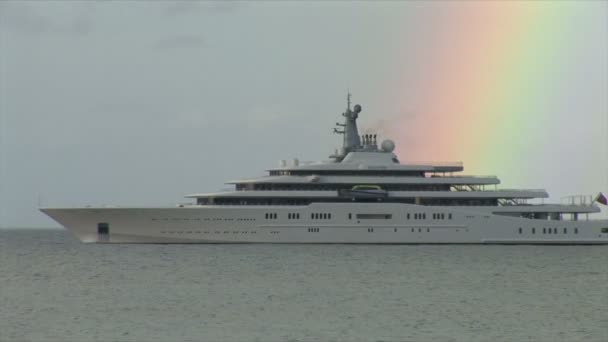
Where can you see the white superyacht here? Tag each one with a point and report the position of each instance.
(362, 195)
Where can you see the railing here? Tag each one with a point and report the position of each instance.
(463, 176)
(578, 200)
(520, 190)
(433, 163)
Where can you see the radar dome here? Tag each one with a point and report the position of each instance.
(388, 146)
(357, 109)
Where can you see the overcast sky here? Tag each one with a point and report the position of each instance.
(142, 102)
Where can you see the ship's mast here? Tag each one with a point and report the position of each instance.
(350, 131)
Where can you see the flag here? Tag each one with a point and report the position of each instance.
(601, 199)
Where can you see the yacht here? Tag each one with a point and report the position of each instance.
(363, 194)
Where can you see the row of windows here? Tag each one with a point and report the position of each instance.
(417, 216)
(315, 216)
(271, 216)
(382, 172)
(227, 201)
(208, 232)
(336, 187)
(309, 229)
(436, 216)
(413, 230)
(320, 216)
(195, 219)
(374, 216)
(548, 230)
(441, 216)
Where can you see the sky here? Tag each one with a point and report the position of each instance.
(143, 102)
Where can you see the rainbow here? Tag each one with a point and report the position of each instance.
(491, 75)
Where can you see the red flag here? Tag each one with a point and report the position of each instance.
(601, 199)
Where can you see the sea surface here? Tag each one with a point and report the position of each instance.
(54, 288)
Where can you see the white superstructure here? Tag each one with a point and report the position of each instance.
(362, 195)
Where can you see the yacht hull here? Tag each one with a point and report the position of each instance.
(337, 223)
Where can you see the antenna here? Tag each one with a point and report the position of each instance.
(348, 100)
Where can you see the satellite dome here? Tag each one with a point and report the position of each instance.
(357, 109)
(388, 146)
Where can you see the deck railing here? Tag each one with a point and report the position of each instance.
(578, 200)
(433, 163)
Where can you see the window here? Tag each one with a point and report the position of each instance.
(267, 216)
(350, 216)
(450, 216)
(103, 229)
(544, 231)
(424, 216)
(408, 216)
(520, 230)
(554, 230)
(533, 230)
(575, 230)
(604, 230)
(289, 216)
(374, 216)
(565, 230)
(312, 216)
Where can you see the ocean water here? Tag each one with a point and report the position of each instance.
(53, 288)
